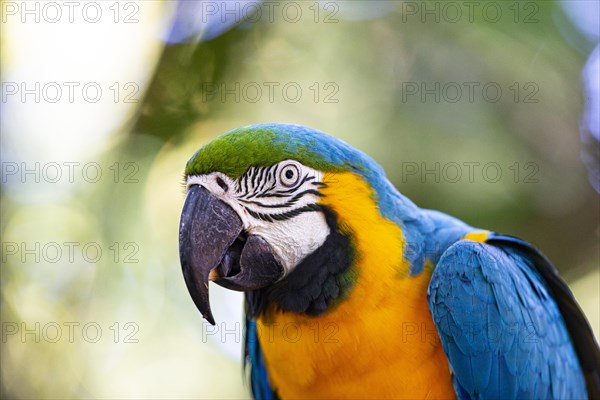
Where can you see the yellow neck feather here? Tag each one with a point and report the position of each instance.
(381, 340)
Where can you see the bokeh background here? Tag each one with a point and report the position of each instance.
(487, 111)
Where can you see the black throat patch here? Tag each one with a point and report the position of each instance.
(317, 283)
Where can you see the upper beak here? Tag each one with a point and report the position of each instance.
(210, 236)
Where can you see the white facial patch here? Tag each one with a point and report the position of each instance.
(277, 203)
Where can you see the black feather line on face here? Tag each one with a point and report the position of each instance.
(286, 215)
(317, 283)
(288, 203)
(301, 182)
(254, 175)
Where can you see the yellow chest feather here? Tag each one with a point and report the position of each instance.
(380, 342)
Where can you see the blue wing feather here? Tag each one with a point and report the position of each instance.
(259, 380)
(500, 326)
(577, 325)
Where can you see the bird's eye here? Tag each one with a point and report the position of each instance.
(289, 175)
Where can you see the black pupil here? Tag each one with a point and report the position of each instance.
(289, 174)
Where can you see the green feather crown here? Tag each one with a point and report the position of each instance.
(264, 145)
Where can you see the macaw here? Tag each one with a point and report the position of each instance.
(352, 291)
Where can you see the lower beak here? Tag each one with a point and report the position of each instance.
(212, 246)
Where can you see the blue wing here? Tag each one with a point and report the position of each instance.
(497, 307)
(259, 380)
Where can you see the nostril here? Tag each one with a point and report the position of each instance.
(222, 184)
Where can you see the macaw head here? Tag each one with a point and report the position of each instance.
(267, 212)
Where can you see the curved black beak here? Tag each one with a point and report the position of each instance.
(212, 245)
